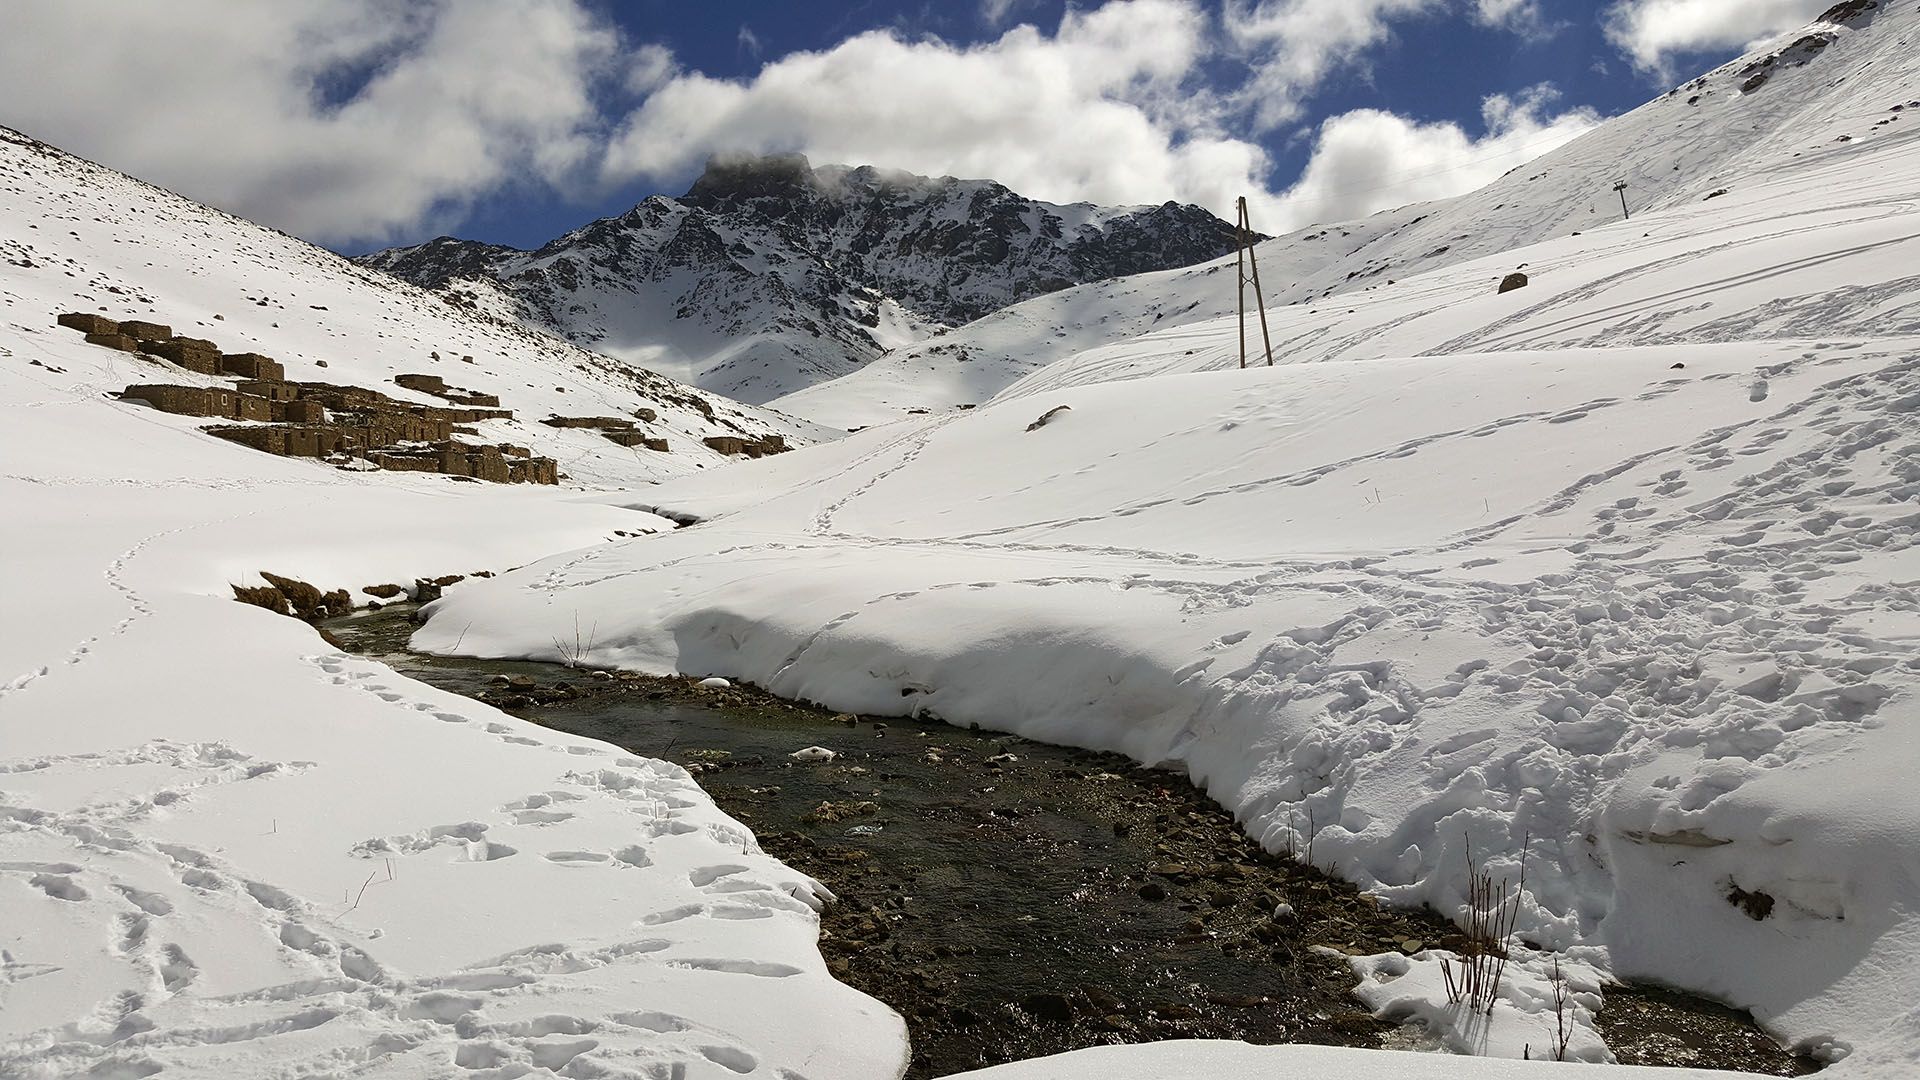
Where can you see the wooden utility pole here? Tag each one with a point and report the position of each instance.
(1243, 239)
(1621, 187)
(1240, 257)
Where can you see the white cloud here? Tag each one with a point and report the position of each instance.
(361, 121)
(749, 42)
(1653, 32)
(995, 12)
(1099, 110)
(339, 120)
(649, 68)
(1107, 109)
(1367, 160)
(1293, 45)
(1522, 17)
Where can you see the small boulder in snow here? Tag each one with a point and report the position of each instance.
(1513, 281)
(1049, 417)
(715, 683)
(813, 754)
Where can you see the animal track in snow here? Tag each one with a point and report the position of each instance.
(487, 851)
(757, 968)
(177, 970)
(150, 902)
(730, 1057)
(663, 1023)
(707, 875)
(58, 886)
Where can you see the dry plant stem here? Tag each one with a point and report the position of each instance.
(1563, 1031)
(1491, 916)
(577, 655)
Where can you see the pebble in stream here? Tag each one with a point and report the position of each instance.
(1012, 899)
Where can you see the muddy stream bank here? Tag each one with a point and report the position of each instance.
(1012, 899)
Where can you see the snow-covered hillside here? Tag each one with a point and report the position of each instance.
(1613, 574)
(78, 237)
(770, 275)
(1848, 77)
(228, 849)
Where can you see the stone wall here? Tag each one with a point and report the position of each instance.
(195, 356)
(88, 323)
(598, 423)
(269, 389)
(184, 400)
(252, 366)
(616, 429)
(426, 384)
(145, 331)
(732, 445)
(113, 341)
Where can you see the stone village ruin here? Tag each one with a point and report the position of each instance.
(341, 423)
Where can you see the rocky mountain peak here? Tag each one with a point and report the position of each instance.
(736, 179)
(771, 273)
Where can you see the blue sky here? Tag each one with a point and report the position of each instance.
(1435, 67)
(363, 123)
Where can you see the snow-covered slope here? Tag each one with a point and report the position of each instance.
(1842, 77)
(229, 850)
(770, 275)
(78, 237)
(1613, 574)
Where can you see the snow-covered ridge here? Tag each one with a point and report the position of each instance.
(1848, 75)
(770, 275)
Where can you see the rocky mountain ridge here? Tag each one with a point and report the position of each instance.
(770, 274)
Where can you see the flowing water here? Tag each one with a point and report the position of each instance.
(1012, 899)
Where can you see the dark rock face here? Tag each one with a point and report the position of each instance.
(1846, 12)
(291, 596)
(811, 261)
(1513, 281)
(440, 260)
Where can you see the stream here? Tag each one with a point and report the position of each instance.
(1013, 899)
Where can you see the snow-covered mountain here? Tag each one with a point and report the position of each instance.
(1839, 82)
(771, 275)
